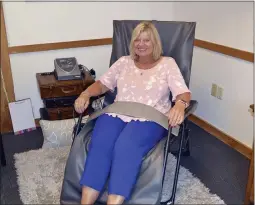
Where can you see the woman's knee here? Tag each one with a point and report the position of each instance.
(138, 138)
(127, 148)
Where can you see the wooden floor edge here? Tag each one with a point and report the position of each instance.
(235, 144)
(227, 139)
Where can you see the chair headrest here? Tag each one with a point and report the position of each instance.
(177, 39)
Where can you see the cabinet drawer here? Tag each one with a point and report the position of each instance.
(58, 113)
(49, 87)
(61, 113)
(61, 91)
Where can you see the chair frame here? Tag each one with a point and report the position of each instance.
(170, 140)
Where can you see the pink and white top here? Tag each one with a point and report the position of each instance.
(151, 86)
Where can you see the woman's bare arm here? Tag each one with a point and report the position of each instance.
(95, 89)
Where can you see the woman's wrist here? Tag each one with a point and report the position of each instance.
(86, 93)
(181, 103)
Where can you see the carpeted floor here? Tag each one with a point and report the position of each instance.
(222, 169)
(40, 175)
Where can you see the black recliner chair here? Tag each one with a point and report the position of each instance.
(177, 41)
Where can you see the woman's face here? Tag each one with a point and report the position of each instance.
(143, 45)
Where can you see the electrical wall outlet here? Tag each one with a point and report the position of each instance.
(219, 92)
(214, 90)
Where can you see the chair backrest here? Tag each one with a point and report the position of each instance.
(177, 39)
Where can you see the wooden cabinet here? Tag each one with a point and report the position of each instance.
(249, 194)
(58, 96)
(51, 88)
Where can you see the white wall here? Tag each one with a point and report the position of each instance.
(227, 23)
(42, 22)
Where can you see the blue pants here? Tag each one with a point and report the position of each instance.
(116, 150)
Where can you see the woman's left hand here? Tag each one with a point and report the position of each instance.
(176, 114)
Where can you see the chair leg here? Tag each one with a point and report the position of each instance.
(186, 144)
(166, 151)
(186, 147)
(3, 158)
(172, 198)
(77, 128)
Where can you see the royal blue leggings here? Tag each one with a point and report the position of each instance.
(116, 150)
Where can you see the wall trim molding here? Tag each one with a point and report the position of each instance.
(226, 50)
(233, 52)
(59, 45)
(227, 139)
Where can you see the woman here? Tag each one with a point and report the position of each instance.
(119, 142)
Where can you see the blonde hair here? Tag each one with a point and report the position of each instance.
(154, 36)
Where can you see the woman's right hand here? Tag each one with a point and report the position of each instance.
(81, 103)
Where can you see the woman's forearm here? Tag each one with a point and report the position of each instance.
(95, 89)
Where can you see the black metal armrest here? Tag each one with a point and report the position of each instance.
(191, 109)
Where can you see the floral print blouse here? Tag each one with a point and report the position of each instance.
(151, 86)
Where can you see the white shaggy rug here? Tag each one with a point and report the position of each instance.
(40, 175)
